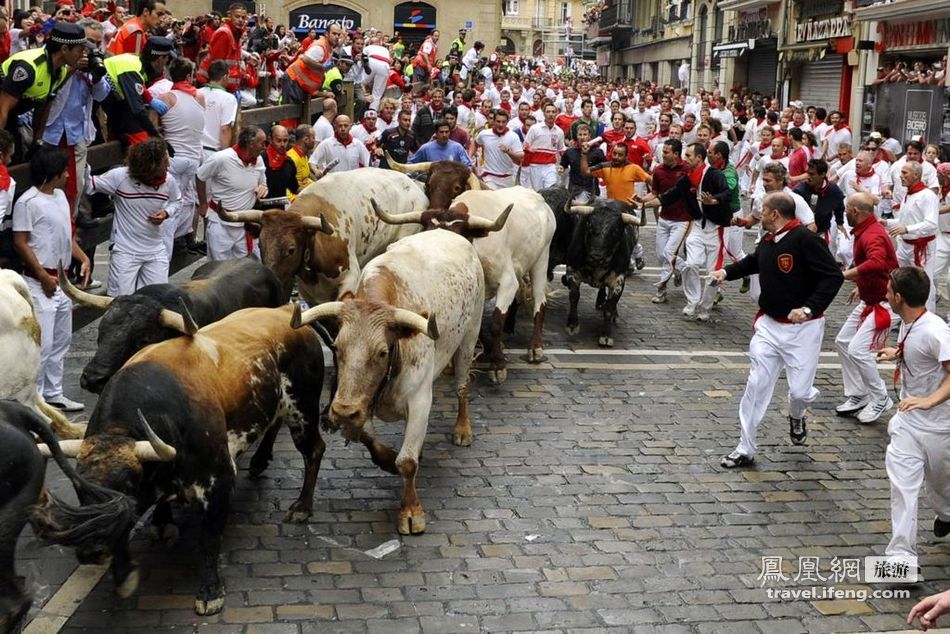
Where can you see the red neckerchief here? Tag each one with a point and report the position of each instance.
(246, 159)
(791, 224)
(275, 157)
(759, 121)
(5, 179)
(696, 176)
(764, 144)
(689, 129)
(388, 121)
(717, 163)
(344, 142)
(900, 354)
(841, 125)
(776, 158)
(155, 182)
(824, 188)
(185, 87)
(866, 174)
(916, 187)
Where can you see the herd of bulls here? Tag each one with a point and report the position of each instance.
(191, 375)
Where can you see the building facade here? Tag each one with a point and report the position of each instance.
(543, 27)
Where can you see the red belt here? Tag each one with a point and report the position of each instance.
(53, 272)
(380, 58)
(495, 175)
(882, 323)
(920, 249)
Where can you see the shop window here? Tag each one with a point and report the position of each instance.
(703, 38)
(511, 7)
(717, 37)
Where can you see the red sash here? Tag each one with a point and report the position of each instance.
(882, 324)
(920, 249)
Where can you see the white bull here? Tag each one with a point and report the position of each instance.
(517, 251)
(390, 350)
(20, 354)
(330, 231)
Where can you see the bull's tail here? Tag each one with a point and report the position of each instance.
(60, 424)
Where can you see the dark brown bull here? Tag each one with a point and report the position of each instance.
(446, 180)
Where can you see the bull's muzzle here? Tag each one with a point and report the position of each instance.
(348, 418)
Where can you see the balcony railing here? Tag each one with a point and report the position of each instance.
(515, 23)
(617, 15)
(542, 23)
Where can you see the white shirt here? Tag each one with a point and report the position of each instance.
(470, 59)
(871, 184)
(234, 184)
(47, 218)
(835, 138)
(368, 138)
(493, 161)
(919, 214)
(926, 347)
(322, 129)
(134, 203)
(928, 175)
(803, 212)
(182, 124)
(725, 116)
(464, 117)
(546, 141)
(644, 121)
(220, 110)
(352, 156)
(6, 205)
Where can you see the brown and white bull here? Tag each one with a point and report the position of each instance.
(326, 265)
(518, 251)
(208, 397)
(20, 353)
(390, 350)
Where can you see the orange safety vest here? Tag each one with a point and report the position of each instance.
(232, 82)
(426, 61)
(125, 41)
(308, 79)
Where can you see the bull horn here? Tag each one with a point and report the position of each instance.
(320, 224)
(155, 449)
(583, 210)
(249, 215)
(69, 447)
(407, 168)
(102, 302)
(473, 182)
(410, 319)
(396, 219)
(327, 310)
(475, 222)
(630, 219)
(180, 322)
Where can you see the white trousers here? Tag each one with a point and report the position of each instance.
(225, 242)
(499, 182)
(905, 257)
(942, 265)
(670, 246)
(774, 346)
(379, 75)
(541, 176)
(128, 272)
(913, 456)
(184, 170)
(704, 248)
(854, 342)
(55, 316)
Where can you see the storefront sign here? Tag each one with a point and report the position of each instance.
(414, 15)
(759, 30)
(918, 105)
(320, 16)
(817, 8)
(913, 34)
(827, 29)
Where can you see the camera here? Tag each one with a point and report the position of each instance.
(97, 65)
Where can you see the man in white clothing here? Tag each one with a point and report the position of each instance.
(919, 448)
(893, 188)
(545, 141)
(220, 110)
(379, 61)
(343, 147)
(236, 179)
(323, 128)
(915, 227)
(470, 61)
(501, 153)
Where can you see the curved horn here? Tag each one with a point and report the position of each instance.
(417, 322)
(407, 168)
(630, 219)
(476, 222)
(321, 224)
(326, 310)
(249, 215)
(582, 210)
(156, 449)
(181, 322)
(102, 302)
(70, 448)
(473, 182)
(396, 219)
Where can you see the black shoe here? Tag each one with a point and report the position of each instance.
(198, 248)
(736, 460)
(941, 528)
(797, 431)
(640, 264)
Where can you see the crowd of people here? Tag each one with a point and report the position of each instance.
(829, 207)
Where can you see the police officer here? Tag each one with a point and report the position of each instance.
(32, 77)
(333, 79)
(458, 44)
(130, 76)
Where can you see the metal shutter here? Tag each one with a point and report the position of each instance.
(820, 84)
(762, 64)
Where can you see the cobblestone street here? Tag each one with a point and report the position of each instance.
(591, 499)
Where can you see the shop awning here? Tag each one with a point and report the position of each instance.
(731, 49)
(904, 9)
(743, 5)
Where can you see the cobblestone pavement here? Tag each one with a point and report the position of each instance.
(591, 500)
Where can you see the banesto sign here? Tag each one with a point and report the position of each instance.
(320, 16)
(826, 29)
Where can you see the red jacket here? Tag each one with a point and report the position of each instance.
(637, 148)
(875, 258)
(225, 45)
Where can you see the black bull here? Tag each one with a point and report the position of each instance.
(134, 321)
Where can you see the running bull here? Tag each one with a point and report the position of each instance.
(208, 395)
(510, 254)
(330, 231)
(603, 238)
(390, 349)
(151, 314)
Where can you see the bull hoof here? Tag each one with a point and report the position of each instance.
(297, 514)
(410, 524)
(573, 330)
(461, 439)
(497, 377)
(207, 607)
(256, 470)
(11, 614)
(605, 342)
(128, 587)
(535, 355)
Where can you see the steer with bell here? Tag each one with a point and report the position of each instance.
(390, 350)
(173, 420)
(603, 238)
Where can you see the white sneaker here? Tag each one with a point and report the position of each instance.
(873, 410)
(660, 297)
(66, 404)
(690, 311)
(853, 404)
(702, 315)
